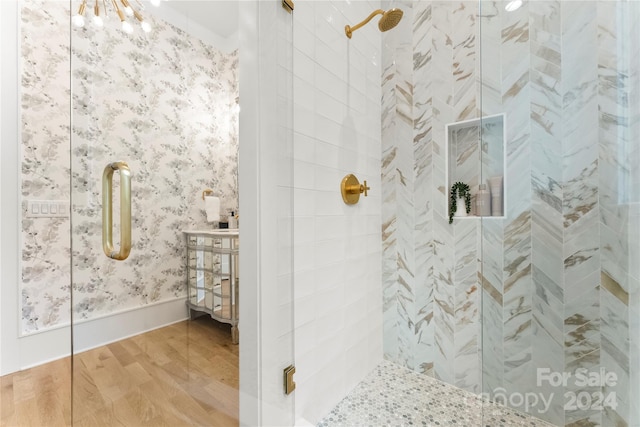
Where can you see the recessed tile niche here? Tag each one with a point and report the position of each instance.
(475, 156)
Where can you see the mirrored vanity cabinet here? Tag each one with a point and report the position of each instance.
(212, 276)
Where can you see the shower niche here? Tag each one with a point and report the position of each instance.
(476, 156)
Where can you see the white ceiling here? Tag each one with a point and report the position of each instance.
(212, 21)
(219, 16)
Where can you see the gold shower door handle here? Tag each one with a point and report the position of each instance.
(125, 210)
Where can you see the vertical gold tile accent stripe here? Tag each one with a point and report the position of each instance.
(614, 287)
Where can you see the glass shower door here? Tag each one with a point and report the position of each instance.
(560, 267)
(154, 171)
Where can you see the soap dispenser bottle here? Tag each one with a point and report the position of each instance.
(233, 221)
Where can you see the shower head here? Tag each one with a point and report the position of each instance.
(389, 20)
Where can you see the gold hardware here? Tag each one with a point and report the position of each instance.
(206, 193)
(351, 189)
(125, 210)
(82, 8)
(120, 13)
(289, 384)
(78, 19)
(389, 20)
(288, 5)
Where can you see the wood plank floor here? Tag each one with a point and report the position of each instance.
(185, 374)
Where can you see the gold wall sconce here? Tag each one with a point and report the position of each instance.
(351, 189)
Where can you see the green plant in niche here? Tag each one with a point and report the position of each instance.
(459, 189)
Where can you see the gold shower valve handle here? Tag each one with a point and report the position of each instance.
(351, 189)
(364, 188)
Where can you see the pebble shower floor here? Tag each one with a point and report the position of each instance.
(395, 396)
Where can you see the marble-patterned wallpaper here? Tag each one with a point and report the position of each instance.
(165, 102)
(485, 305)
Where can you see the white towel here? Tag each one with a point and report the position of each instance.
(212, 207)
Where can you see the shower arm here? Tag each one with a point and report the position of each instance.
(349, 30)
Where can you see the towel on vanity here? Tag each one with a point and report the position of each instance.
(212, 208)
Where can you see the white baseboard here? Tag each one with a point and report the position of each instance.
(46, 346)
(93, 333)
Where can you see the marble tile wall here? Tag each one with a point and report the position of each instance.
(633, 154)
(547, 295)
(431, 305)
(135, 98)
(580, 207)
(617, 198)
(554, 275)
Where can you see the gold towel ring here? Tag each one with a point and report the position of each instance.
(207, 192)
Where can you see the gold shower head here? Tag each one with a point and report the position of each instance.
(389, 19)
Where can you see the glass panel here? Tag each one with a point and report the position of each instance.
(154, 336)
(154, 101)
(35, 290)
(560, 292)
(337, 261)
(266, 170)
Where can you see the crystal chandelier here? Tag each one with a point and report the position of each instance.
(123, 10)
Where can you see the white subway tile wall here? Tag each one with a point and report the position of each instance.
(337, 122)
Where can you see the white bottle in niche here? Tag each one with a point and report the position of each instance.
(495, 183)
(483, 201)
(473, 198)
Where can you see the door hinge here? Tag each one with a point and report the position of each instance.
(289, 384)
(287, 5)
